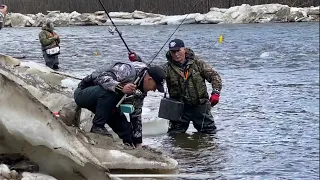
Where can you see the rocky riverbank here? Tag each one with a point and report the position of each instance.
(14, 166)
(237, 14)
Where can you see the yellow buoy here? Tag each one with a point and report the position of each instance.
(220, 39)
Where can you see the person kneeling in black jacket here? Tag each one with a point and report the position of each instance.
(101, 91)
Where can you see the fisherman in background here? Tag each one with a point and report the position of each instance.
(3, 12)
(50, 45)
(100, 92)
(185, 79)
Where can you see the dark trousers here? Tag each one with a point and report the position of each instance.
(200, 116)
(103, 104)
(51, 61)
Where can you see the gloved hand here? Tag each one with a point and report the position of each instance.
(133, 57)
(214, 99)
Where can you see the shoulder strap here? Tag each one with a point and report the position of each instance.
(193, 81)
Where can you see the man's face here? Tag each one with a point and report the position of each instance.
(149, 84)
(3, 9)
(178, 55)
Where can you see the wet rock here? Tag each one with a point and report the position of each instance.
(70, 114)
(142, 15)
(314, 17)
(295, 16)
(84, 19)
(236, 14)
(25, 166)
(11, 158)
(4, 171)
(19, 20)
(7, 174)
(18, 162)
(214, 16)
(240, 14)
(36, 176)
(313, 10)
(120, 15)
(36, 93)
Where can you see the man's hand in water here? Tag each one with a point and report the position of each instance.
(3, 9)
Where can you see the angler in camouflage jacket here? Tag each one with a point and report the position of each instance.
(100, 91)
(49, 40)
(185, 79)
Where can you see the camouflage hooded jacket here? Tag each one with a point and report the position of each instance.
(109, 77)
(187, 82)
(46, 40)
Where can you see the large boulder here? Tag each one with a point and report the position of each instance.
(85, 19)
(32, 93)
(178, 19)
(20, 20)
(297, 15)
(313, 10)
(39, 19)
(271, 13)
(143, 15)
(214, 16)
(120, 15)
(240, 14)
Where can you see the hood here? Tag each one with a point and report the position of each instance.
(190, 56)
(48, 27)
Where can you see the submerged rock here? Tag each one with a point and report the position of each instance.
(29, 94)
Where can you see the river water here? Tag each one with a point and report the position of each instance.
(268, 115)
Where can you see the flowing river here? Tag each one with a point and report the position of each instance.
(268, 115)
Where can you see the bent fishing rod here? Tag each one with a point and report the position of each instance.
(143, 72)
(105, 10)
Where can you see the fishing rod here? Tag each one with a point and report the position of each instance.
(142, 73)
(105, 10)
(66, 75)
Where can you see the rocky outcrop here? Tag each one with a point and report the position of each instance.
(60, 146)
(14, 166)
(237, 14)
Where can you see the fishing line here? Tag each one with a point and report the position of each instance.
(174, 32)
(105, 10)
(142, 73)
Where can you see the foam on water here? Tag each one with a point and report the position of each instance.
(265, 54)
